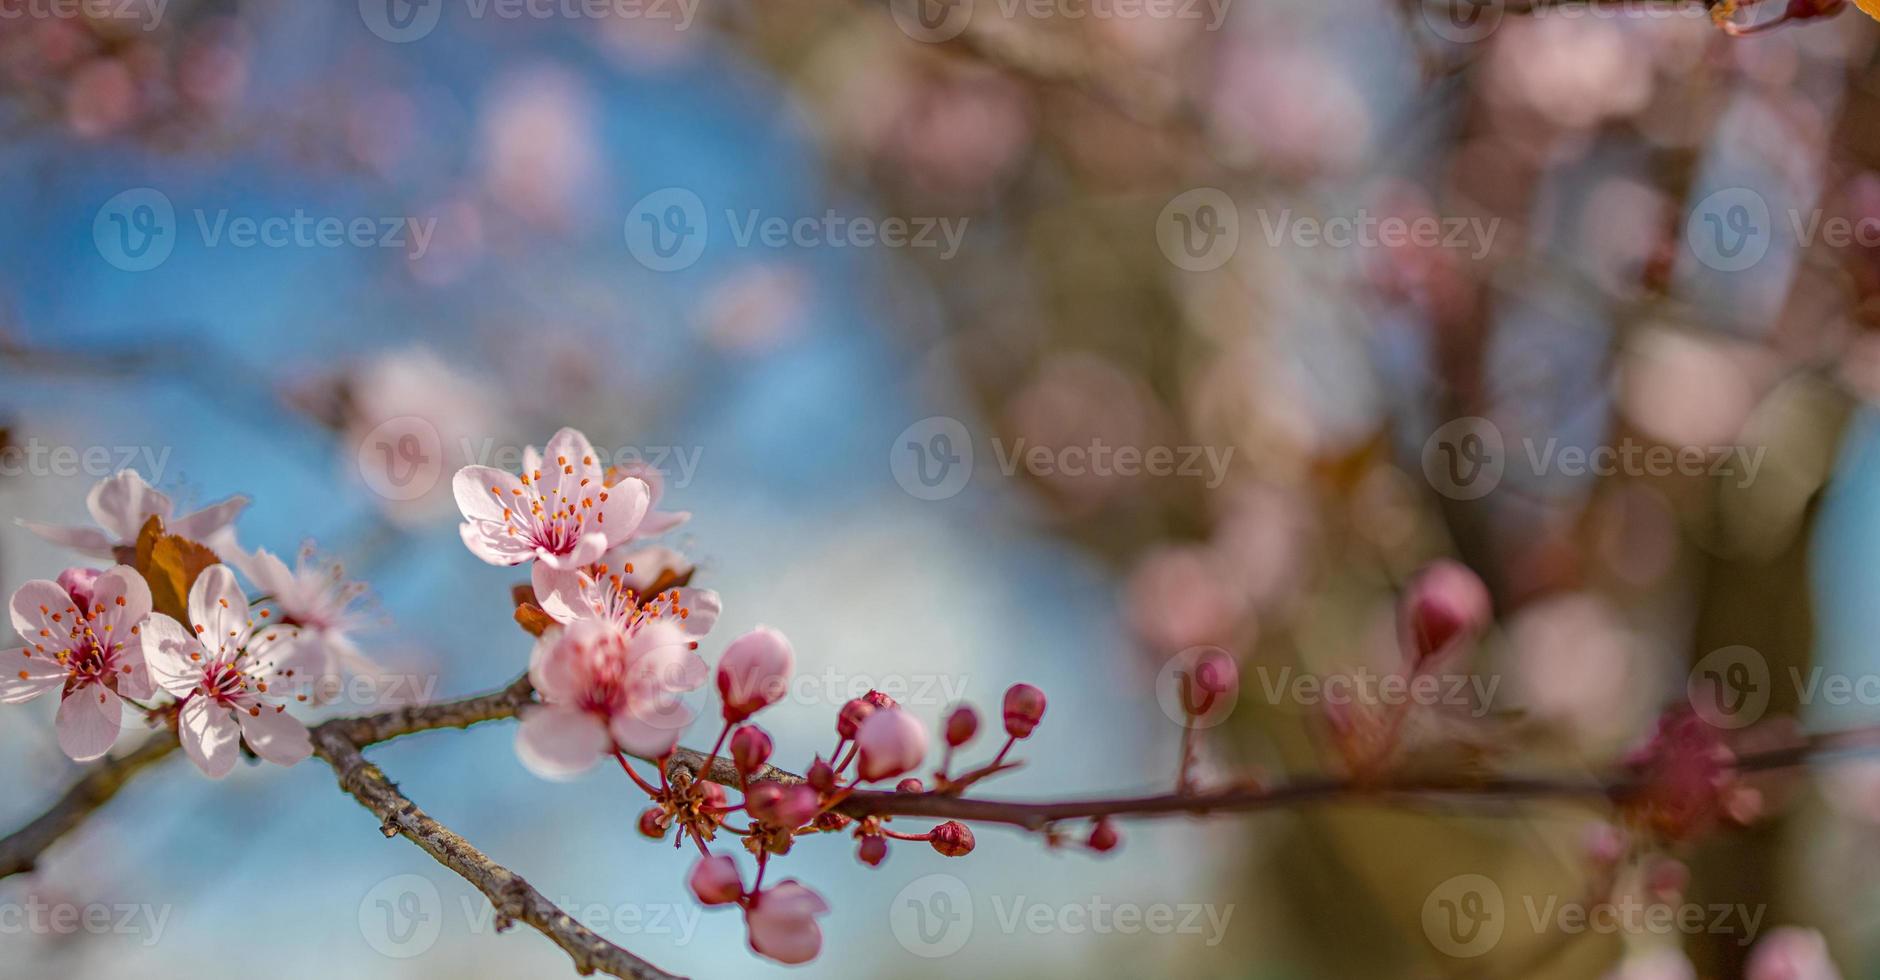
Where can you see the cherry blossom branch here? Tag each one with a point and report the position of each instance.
(20, 850)
(515, 899)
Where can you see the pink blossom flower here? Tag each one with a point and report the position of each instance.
(565, 518)
(781, 921)
(225, 675)
(715, 880)
(602, 687)
(617, 589)
(890, 742)
(83, 637)
(1790, 953)
(121, 503)
(754, 672)
(1443, 609)
(315, 599)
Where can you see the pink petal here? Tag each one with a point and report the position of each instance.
(559, 593)
(650, 728)
(658, 522)
(275, 735)
(115, 617)
(496, 548)
(89, 721)
(209, 737)
(34, 605)
(702, 607)
(575, 472)
(618, 516)
(121, 502)
(473, 486)
(89, 541)
(219, 608)
(168, 647)
(559, 743)
(552, 667)
(24, 677)
(205, 523)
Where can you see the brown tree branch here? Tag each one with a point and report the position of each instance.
(514, 899)
(20, 850)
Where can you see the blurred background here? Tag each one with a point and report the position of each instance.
(987, 342)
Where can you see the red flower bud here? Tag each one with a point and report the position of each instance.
(1103, 836)
(1444, 607)
(782, 806)
(850, 719)
(714, 794)
(873, 851)
(953, 839)
(1024, 709)
(908, 785)
(750, 748)
(715, 880)
(879, 699)
(654, 821)
(962, 725)
(822, 775)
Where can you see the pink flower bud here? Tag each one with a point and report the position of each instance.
(79, 583)
(654, 821)
(781, 922)
(754, 672)
(908, 785)
(1445, 606)
(891, 742)
(873, 851)
(962, 725)
(822, 775)
(879, 699)
(1215, 673)
(1790, 953)
(782, 806)
(714, 794)
(715, 880)
(850, 719)
(750, 748)
(953, 839)
(1103, 836)
(1024, 709)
